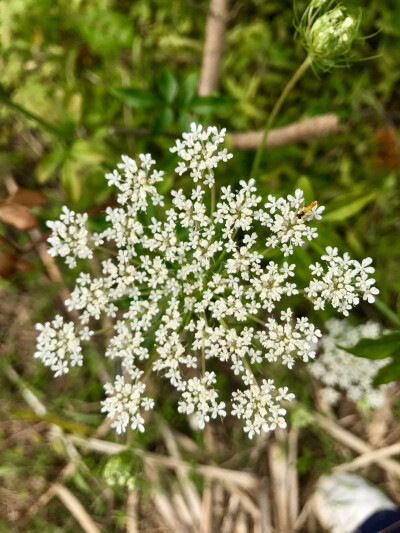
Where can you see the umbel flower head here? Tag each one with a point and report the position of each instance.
(190, 291)
(327, 32)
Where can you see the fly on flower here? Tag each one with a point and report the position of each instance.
(305, 210)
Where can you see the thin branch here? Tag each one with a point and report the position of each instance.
(189, 489)
(305, 130)
(355, 443)
(75, 508)
(369, 457)
(244, 479)
(302, 131)
(213, 45)
(131, 512)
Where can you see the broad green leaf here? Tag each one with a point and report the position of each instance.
(376, 348)
(388, 373)
(163, 120)
(187, 90)
(167, 85)
(206, 105)
(48, 165)
(350, 209)
(137, 98)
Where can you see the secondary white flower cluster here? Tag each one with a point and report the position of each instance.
(58, 345)
(342, 283)
(191, 294)
(344, 374)
(69, 237)
(200, 153)
(124, 402)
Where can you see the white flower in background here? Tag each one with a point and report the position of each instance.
(190, 293)
(344, 374)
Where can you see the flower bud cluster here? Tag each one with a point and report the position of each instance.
(327, 32)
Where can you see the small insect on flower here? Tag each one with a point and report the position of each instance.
(305, 210)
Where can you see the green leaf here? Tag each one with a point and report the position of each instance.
(137, 98)
(163, 120)
(376, 348)
(384, 309)
(86, 153)
(187, 90)
(389, 372)
(350, 209)
(48, 165)
(184, 122)
(206, 105)
(167, 85)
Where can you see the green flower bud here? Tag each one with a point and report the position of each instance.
(327, 33)
(332, 33)
(118, 473)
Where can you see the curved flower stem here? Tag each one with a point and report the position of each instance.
(212, 200)
(256, 319)
(275, 110)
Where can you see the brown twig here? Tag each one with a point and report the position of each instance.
(131, 512)
(278, 470)
(264, 505)
(75, 508)
(190, 492)
(355, 443)
(244, 479)
(213, 45)
(304, 130)
(369, 457)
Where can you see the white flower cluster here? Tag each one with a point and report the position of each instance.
(69, 237)
(124, 403)
(260, 407)
(342, 282)
(191, 294)
(344, 374)
(200, 153)
(58, 345)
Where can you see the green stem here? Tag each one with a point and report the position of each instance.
(277, 107)
(212, 200)
(46, 125)
(256, 319)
